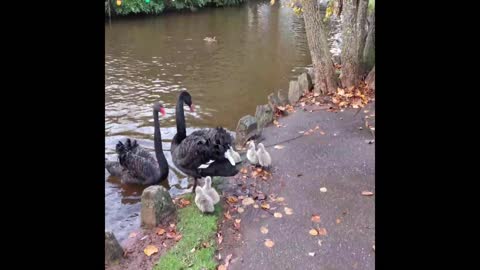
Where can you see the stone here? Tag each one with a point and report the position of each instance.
(273, 101)
(113, 250)
(264, 115)
(305, 82)
(246, 128)
(157, 207)
(282, 96)
(294, 93)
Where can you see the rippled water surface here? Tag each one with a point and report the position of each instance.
(259, 49)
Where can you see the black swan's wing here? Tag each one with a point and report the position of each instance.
(137, 166)
(136, 149)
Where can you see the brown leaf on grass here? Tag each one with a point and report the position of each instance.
(316, 218)
(322, 231)
(178, 237)
(171, 235)
(160, 231)
(264, 230)
(367, 193)
(269, 243)
(313, 232)
(227, 215)
(150, 249)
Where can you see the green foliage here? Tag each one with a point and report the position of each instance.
(128, 7)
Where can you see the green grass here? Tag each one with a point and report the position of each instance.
(196, 228)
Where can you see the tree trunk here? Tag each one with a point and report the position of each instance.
(370, 80)
(353, 31)
(325, 80)
(369, 51)
(361, 31)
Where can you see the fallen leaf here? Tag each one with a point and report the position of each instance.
(254, 174)
(316, 94)
(150, 249)
(221, 267)
(281, 108)
(316, 218)
(277, 215)
(255, 206)
(367, 193)
(259, 170)
(340, 92)
(248, 201)
(244, 170)
(172, 225)
(322, 231)
(160, 231)
(321, 132)
(192, 250)
(264, 178)
(178, 237)
(265, 205)
(275, 122)
(343, 103)
(264, 230)
(227, 260)
(220, 238)
(317, 127)
(232, 199)
(301, 132)
(278, 146)
(269, 243)
(240, 210)
(288, 211)
(311, 254)
(320, 242)
(132, 235)
(313, 232)
(171, 235)
(205, 244)
(323, 189)
(338, 221)
(227, 215)
(279, 199)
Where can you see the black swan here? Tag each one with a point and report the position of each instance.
(204, 152)
(136, 165)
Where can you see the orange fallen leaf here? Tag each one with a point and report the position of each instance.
(317, 127)
(265, 205)
(232, 199)
(313, 232)
(171, 235)
(367, 193)
(316, 218)
(238, 220)
(221, 267)
(254, 174)
(288, 211)
(264, 230)
(259, 170)
(322, 231)
(227, 215)
(220, 238)
(150, 249)
(269, 243)
(279, 199)
(277, 215)
(338, 221)
(160, 231)
(255, 206)
(244, 170)
(240, 210)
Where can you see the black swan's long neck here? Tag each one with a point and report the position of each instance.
(157, 141)
(180, 119)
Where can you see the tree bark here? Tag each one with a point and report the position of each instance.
(325, 80)
(353, 31)
(370, 80)
(361, 31)
(369, 50)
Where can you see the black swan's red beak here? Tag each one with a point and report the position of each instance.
(162, 111)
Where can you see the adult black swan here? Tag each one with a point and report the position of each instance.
(204, 152)
(136, 165)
